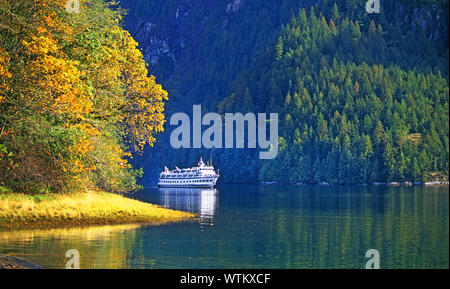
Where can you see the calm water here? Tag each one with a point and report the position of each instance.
(277, 226)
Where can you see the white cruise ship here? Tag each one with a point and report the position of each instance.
(202, 176)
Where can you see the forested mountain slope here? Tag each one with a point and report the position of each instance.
(361, 98)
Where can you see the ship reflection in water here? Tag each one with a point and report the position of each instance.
(199, 201)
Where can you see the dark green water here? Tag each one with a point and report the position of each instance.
(276, 226)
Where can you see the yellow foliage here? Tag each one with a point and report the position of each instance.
(5, 75)
(85, 78)
(144, 114)
(55, 79)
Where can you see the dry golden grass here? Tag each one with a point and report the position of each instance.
(89, 208)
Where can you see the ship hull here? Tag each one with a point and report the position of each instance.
(187, 183)
(184, 186)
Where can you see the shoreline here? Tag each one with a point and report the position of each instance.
(390, 184)
(20, 211)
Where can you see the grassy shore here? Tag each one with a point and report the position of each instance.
(19, 211)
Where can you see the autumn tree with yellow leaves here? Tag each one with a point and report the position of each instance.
(76, 97)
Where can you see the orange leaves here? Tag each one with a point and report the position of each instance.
(54, 78)
(41, 45)
(81, 163)
(78, 84)
(5, 75)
